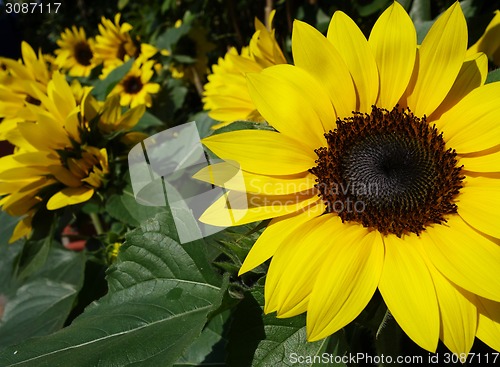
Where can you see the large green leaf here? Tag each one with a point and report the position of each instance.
(264, 340)
(160, 295)
(38, 304)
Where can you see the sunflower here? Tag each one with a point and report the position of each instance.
(21, 81)
(489, 43)
(226, 95)
(76, 52)
(60, 164)
(114, 42)
(381, 173)
(135, 88)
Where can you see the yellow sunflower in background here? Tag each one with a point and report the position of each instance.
(114, 41)
(75, 53)
(489, 43)
(21, 81)
(56, 166)
(226, 95)
(401, 195)
(135, 88)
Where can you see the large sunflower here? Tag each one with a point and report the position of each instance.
(401, 195)
(76, 52)
(226, 94)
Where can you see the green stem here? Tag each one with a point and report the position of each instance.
(97, 223)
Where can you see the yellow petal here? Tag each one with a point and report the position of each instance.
(236, 208)
(225, 175)
(479, 204)
(488, 329)
(471, 76)
(274, 235)
(293, 102)
(357, 54)
(481, 163)
(262, 152)
(70, 196)
(296, 261)
(472, 125)
(346, 282)
(458, 314)
(464, 256)
(394, 43)
(408, 291)
(489, 43)
(22, 229)
(315, 54)
(440, 58)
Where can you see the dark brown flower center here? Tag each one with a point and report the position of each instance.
(388, 171)
(83, 53)
(132, 85)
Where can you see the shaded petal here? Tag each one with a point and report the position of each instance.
(479, 204)
(393, 40)
(70, 196)
(262, 152)
(225, 175)
(408, 291)
(440, 58)
(314, 53)
(464, 256)
(286, 281)
(472, 125)
(488, 329)
(293, 102)
(472, 75)
(489, 41)
(236, 208)
(458, 313)
(481, 163)
(347, 280)
(274, 236)
(357, 54)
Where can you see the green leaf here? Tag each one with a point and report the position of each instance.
(372, 7)
(147, 121)
(7, 227)
(160, 296)
(209, 348)
(40, 304)
(168, 39)
(125, 208)
(204, 123)
(493, 76)
(420, 11)
(422, 29)
(264, 340)
(33, 256)
(103, 87)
